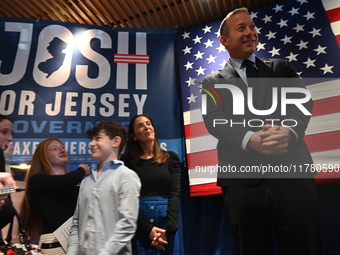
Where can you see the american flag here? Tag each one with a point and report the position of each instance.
(307, 33)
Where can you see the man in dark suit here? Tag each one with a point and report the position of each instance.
(270, 189)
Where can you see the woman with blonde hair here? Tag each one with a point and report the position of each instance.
(51, 194)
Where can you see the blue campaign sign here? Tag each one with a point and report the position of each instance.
(59, 79)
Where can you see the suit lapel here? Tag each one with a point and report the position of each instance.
(229, 74)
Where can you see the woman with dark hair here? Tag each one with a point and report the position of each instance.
(51, 194)
(159, 172)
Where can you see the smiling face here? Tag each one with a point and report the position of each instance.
(5, 133)
(56, 154)
(242, 39)
(102, 146)
(143, 130)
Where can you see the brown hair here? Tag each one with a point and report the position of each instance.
(40, 164)
(111, 129)
(3, 117)
(133, 148)
(224, 29)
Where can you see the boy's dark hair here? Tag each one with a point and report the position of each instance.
(111, 129)
(3, 117)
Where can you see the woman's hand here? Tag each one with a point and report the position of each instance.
(86, 168)
(158, 237)
(6, 180)
(8, 148)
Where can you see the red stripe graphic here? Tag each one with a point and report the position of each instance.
(323, 141)
(195, 130)
(316, 143)
(333, 15)
(326, 106)
(131, 59)
(203, 158)
(201, 189)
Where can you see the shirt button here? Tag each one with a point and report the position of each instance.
(152, 220)
(88, 224)
(152, 207)
(91, 206)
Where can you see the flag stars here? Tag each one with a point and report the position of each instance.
(327, 69)
(208, 43)
(199, 55)
(221, 48)
(309, 63)
(187, 50)
(267, 19)
(191, 81)
(211, 59)
(282, 23)
(294, 11)
(274, 51)
(186, 35)
(207, 29)
(302, 1)
(315, 32)
(309, 15)
(253, 15)
(197, 39)
(223, 63)
(292, 57)
(200, 71)
(287, 39)
(298, 27)
(271, 35)
(302, 45)
(260, 46)
(192, 98)
(258, 29)
(278, 8)
(320, 50)
(188, 65)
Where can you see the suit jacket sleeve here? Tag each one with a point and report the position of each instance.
(220, 108)
(293, 112)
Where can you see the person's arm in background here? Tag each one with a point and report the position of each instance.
(6, 206)
(8, 155)
(48, 182)
(73, 239)
(173, 203)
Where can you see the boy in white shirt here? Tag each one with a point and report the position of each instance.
(107, 209)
